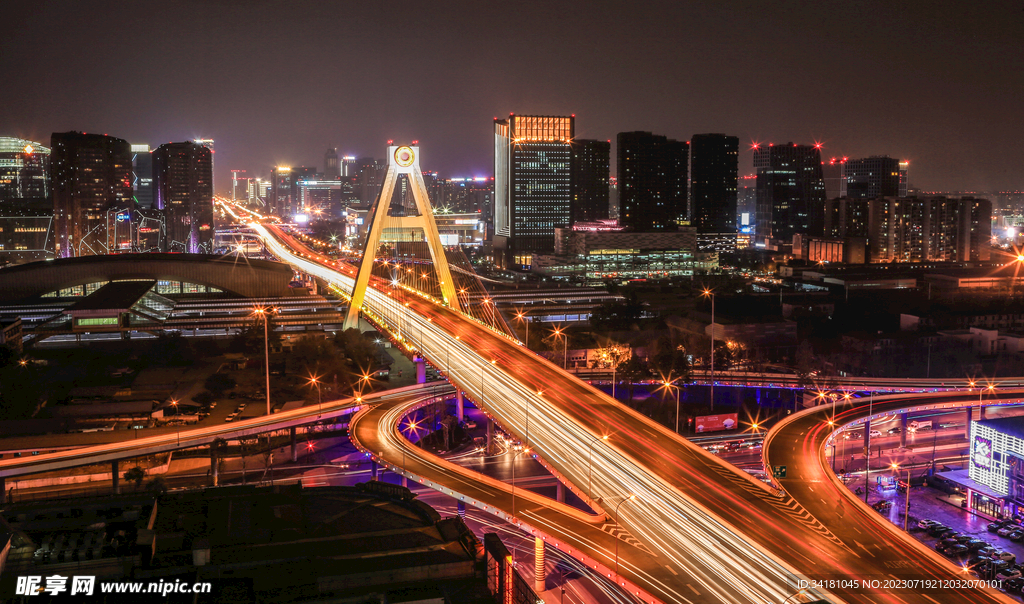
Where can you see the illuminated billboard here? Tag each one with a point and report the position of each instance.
(717, 423)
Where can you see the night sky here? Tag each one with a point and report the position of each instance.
(277, 82)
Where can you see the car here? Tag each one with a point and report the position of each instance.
(944, 543)
(954, 550)
(895, 430)
(213, 404)
(987, 551)
(976, 544)
(1009, 573)
(938, 530)
(470, 424)
(995, 526)
(1006, 530)
(1016, 536)
(961, 538)
(976, 561)
(1013, 586)
(875, 433)
(1005, 555)
(229, 418)
(926, 523)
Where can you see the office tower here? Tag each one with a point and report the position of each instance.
(183, 182)
(613, 198)
(239, 185)
(465, 195)
(142, 175)
(590, 166)
(332, 165)
(532, 156)
(24, 170)
(91, 176)
(714, 167)
(652, 175)
(834, 178)
(871, 177)
(281, 185)
(370, 173)
(348, 166)
(790, 190)
(904, 168)
(208, 143)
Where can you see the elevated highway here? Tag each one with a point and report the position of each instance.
(718, 535)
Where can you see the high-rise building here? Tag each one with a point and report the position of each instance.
(714, 168)
(834, 178)
(142, 175)
(284, 193)
(332, 165)
(613, 198)
(652, 181)
(871, 177)
(183, 181)
(208, 143)
(24, 170)
(914, 229)
(790, 190)
(91, 177)
(589, 172)
(465, 195)
(348, 166)
(532, 157)
(370, 174)
(904, 168)
(239, 185)
(26, 230)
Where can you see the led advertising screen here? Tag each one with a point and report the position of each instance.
(717, 423)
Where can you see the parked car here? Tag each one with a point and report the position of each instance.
(976, 561)
(977, 544)
(988, 551)
(1006, 530)
(944, 543)
(1016, 536)
(998, 524)
(1013, 586)
(229, 418)
(939, 530)
(926, 523)
(962, 538)
(954, 550)
(1011, 572)
(1005, 555)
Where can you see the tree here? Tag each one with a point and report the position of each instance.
(617, 315)
(157, 486)
(670, 360)
(136, 475)
(633, 370)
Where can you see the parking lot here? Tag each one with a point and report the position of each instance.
(927, 503)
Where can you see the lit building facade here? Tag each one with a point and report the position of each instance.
(26, 231)
(91, 177)
(332, 165)
(24, 170)
(995, 472)
(590, 168)
(714, 169)
(142, 175)
(601, 252)
(532, 178)
(652, 173)
(790, 190)
(183, 179)
(870, 178)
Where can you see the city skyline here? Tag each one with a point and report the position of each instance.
(663, 68)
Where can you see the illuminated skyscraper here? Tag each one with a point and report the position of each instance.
(590, 171)
(183, 179)
(532, 158)
(91, 178)
(332, 165)
(142, 175)
(652, 174)
(24, 170)
(714, 165)
(790, 190)
(871, 177)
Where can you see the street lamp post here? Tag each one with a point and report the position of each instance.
(590, 467)
(565, 347)
(524, 319)
(670, 386)
(514, 456)
(630, 498)
(315, 381)
(174, 403)
(906, 511)
(867, 448)
(265, 313)
(710, 294)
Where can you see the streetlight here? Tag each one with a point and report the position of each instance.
(174, 403)
(669, 385)
(560, 334)
(315, 381)
(514, 456)
(521, 316)
(590, 467)
(906, 512)
(264, 312)
(630, 498)
(707, 293)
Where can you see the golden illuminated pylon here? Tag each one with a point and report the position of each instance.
(401, 160)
